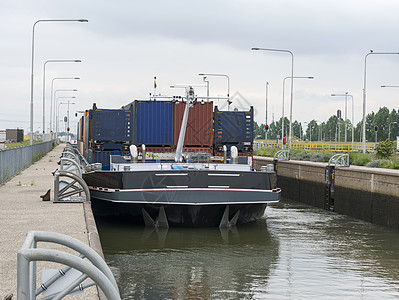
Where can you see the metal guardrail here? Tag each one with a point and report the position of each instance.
(94, 267)
(68, 183)
(15, 160)
(282, 155)
(339, 160)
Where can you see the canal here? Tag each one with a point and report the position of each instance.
(295, 252)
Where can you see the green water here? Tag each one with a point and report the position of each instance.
(295, 252)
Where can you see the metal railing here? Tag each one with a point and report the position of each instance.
(15, 160)
(322, 146)
(68, 183)
(282, 155)
(88, 263)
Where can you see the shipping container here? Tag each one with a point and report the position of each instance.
(86, 133)
(152, 123)
(235, 127)
(199, 130)
(111, 125)
(15, 135)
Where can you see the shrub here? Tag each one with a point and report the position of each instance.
(384, 149)
(359, 159)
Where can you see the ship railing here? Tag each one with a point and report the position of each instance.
(88, 264)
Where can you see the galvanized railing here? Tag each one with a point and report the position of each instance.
(15, 160)
(68, 183)
(92, 267)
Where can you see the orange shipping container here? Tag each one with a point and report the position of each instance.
(199, 131)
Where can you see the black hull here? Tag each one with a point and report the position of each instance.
(185, 198)
(177, 215)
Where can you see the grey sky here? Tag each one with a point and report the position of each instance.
(127, 43)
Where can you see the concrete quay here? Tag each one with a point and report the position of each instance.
(22, 210)
(369, 194)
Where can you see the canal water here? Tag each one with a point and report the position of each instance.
(295, 252)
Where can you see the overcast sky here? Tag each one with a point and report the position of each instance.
(126, 43)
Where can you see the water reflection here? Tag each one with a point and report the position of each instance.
(189, 263)
(296, 252)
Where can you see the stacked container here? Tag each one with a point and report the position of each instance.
(107, 132)
(234, 128)
(199, 130)
(152, 123)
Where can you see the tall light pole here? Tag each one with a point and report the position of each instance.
(67, 114)
(58, 111)
(55, 99)
(364, 93)
(32, 65)
(44, 83)
(266, 102)
(52, 114)
(207, 86)
(353, 114)
(282, 114)
(228, 85)
(389, 131)
(292, 83)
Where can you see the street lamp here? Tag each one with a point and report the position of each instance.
(282, 121)
(266, 100)
(364, 93)
(56, 99)
(58, 111)
(353, 115)
(67, 114)
(32, 64)
(228, 85)
(51, 100)
(389, 130)
(207, 86)
(292, 83)
(44, 83)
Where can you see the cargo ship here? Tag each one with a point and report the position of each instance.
(180, 187)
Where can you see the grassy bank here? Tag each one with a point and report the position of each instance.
(355, 158)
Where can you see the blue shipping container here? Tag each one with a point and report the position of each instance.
(153, 123)
(113, 125)
(233, 126)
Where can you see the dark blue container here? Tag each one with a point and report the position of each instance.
(233, 127)
(153, 123)
(111, 125)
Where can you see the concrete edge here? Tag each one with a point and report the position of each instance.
(93, 237)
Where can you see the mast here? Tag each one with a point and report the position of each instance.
(190, 103)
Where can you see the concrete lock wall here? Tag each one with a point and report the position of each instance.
(369, 194)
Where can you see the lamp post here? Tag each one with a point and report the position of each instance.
(228, 85)
(51, 100)
(353, 114)
(389, 131)
(282, 121)
(266, 100)
(207, 86)
(44, 83)
(66, 123)
(55, 101)
(292, 83)
(32, 65)
(58, 111)
(364, 93)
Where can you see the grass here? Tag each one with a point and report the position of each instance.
(355, 158)
(21, 144)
